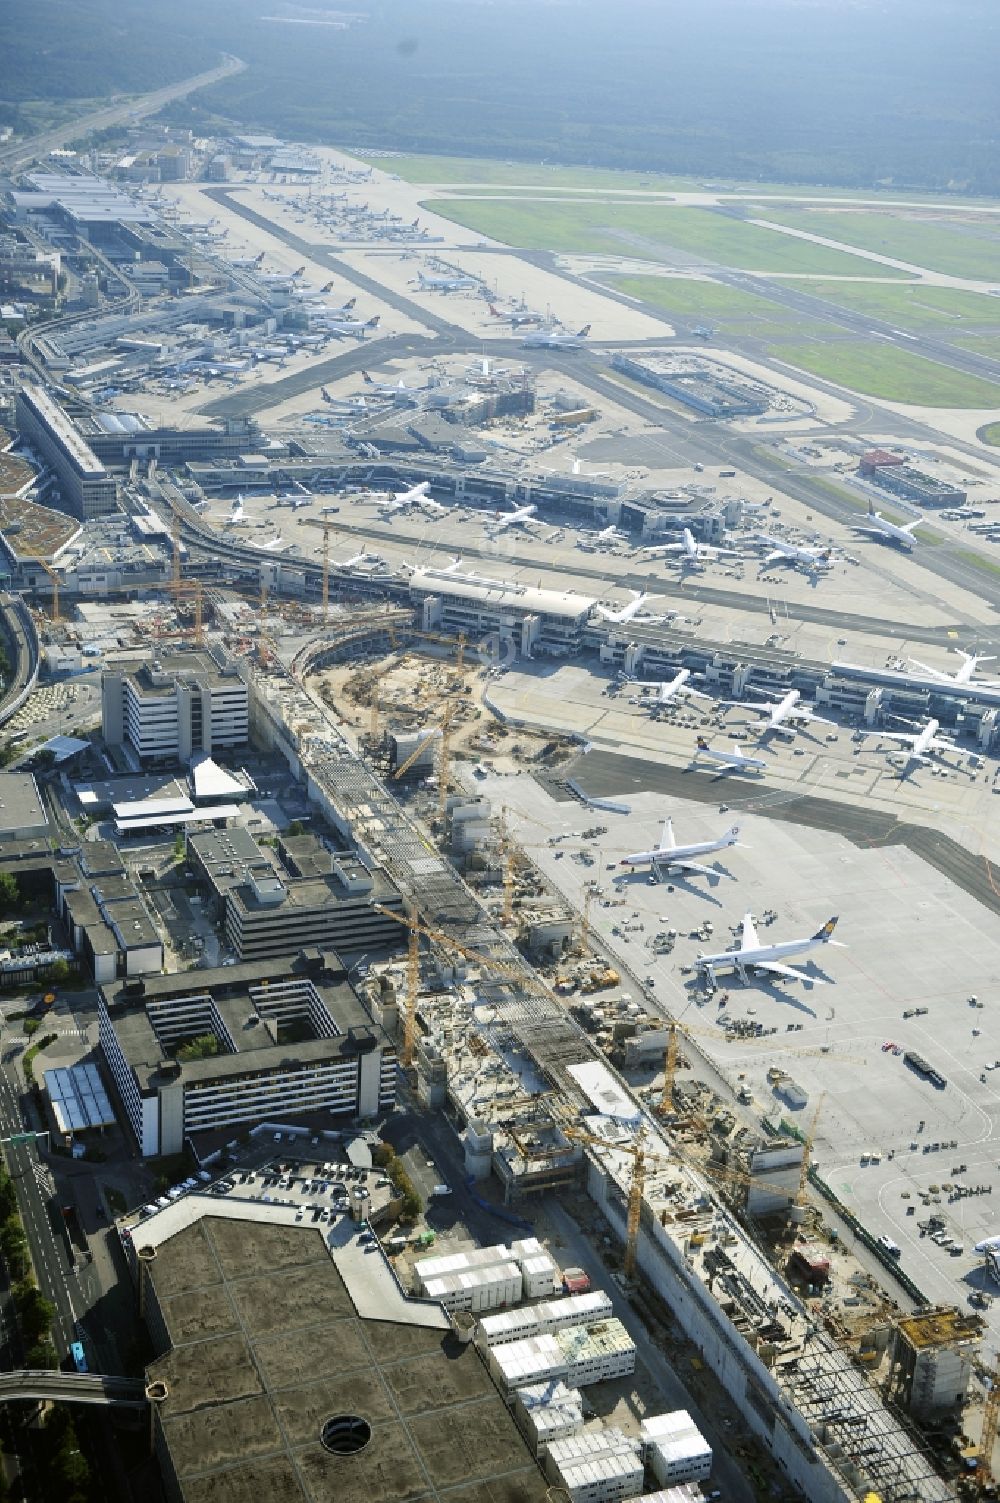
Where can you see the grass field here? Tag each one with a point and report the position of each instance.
(965, 247)
(735, 311)
(654, 232)
(878, 370)
(914, 305)
(421, 169)
(990, 434)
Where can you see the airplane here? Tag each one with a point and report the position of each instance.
(672, 688)
(671, 856)
(555, 339)
(885, 531)
(751, 955)
(990, 1248)
(516, 518)
(964, 675)
(245, 263)
(400, 500)
(518, 317)
(310, 294)
(280, 279)
(734, 761)
(387, 388)
(352, 326)
(794, 553)
(359, 558)
(610, 535)
(923, 743)
(626, 613)
(783, 715)
(693, 552)
(445, 284)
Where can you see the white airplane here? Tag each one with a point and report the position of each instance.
(446, 284)
(782, 716)
(555, 339)
(280, 279)
(692, 551)
(610, 535)
(732, 761)
(751, 955)
(627, 612)
(990, 1248)
(670, 855)
(403, 499)
(673, 688)
(359, 326)
(794, 553)
(245, 263)
(519, 517)
(964, 675)
(517, 317)
(387, 388)
(923, 744)
(886, 531)
(362, 559)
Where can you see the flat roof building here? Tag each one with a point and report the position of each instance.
(85, 485)
(286, 1039)
(172, 708)
(22, 814)
(539, 622)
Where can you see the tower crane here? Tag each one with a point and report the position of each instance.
(641, 1161)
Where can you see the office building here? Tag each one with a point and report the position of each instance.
(550, 1315)
(172, 708)
(84, 484)
(275, 1042)
(577, 1354)
(538, 622)
(674, 1448)
(22, 814)
(546, 1412)
(601, 1466)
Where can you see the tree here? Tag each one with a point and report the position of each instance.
(203, 1046)
(10, 893)
(296, 827)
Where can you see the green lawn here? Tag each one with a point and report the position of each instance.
(964, 247)
(427, 169)
(914, 305)
(990, 434)
(738, 312)
(651, 231)
(879, 370)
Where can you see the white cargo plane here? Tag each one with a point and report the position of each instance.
(669, 689)
(618, 618)
(964, 675)
(886, 531)
(794, 553)
(519, 517)
(751, 955)
(692, 552)
(670, 855)
(555, 339)
(923, 744)
(731, 761)
(358, 326)
(782, 716)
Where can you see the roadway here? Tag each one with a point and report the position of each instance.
(72, 1388)
(15, 157)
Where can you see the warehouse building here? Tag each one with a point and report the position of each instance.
(276, 1042)
(601, 1466)
(579, 1355)
(84, 484)
(173, 707)
(540, 623)
(22, 816)
(706, 386)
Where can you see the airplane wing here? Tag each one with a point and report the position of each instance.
(748, 938)
(941, 743)
(695, 693)
(682, 864)
(801, 713)
(934, 673)
(776, 969)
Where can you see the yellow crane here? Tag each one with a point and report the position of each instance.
(641, 1161)
(807, 1149)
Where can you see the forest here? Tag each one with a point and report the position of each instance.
(843, 92)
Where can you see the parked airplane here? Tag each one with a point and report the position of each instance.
(519, 517)
(351, 326)
(626, 613)
(310, 294)
(671, 856)
(445, 284)
(555, 339)
(245, 263)
(751, 955)
(692, 551)
(387, 388)
(886, 531)
(518, 317)
(783, 715)
(610, 535)
(401, 500)
(923, 744)
(734, 761)
(794, 553)
(280, 279)
(359, 559)
(964, 675)
(673, 688)
(990, 1247)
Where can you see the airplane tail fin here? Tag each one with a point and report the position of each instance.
(667, 841)
(826, 932)
(702, 744)
(871, 508)
(373, 323)
(584, 332)
(734, 833)
(367, 379)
